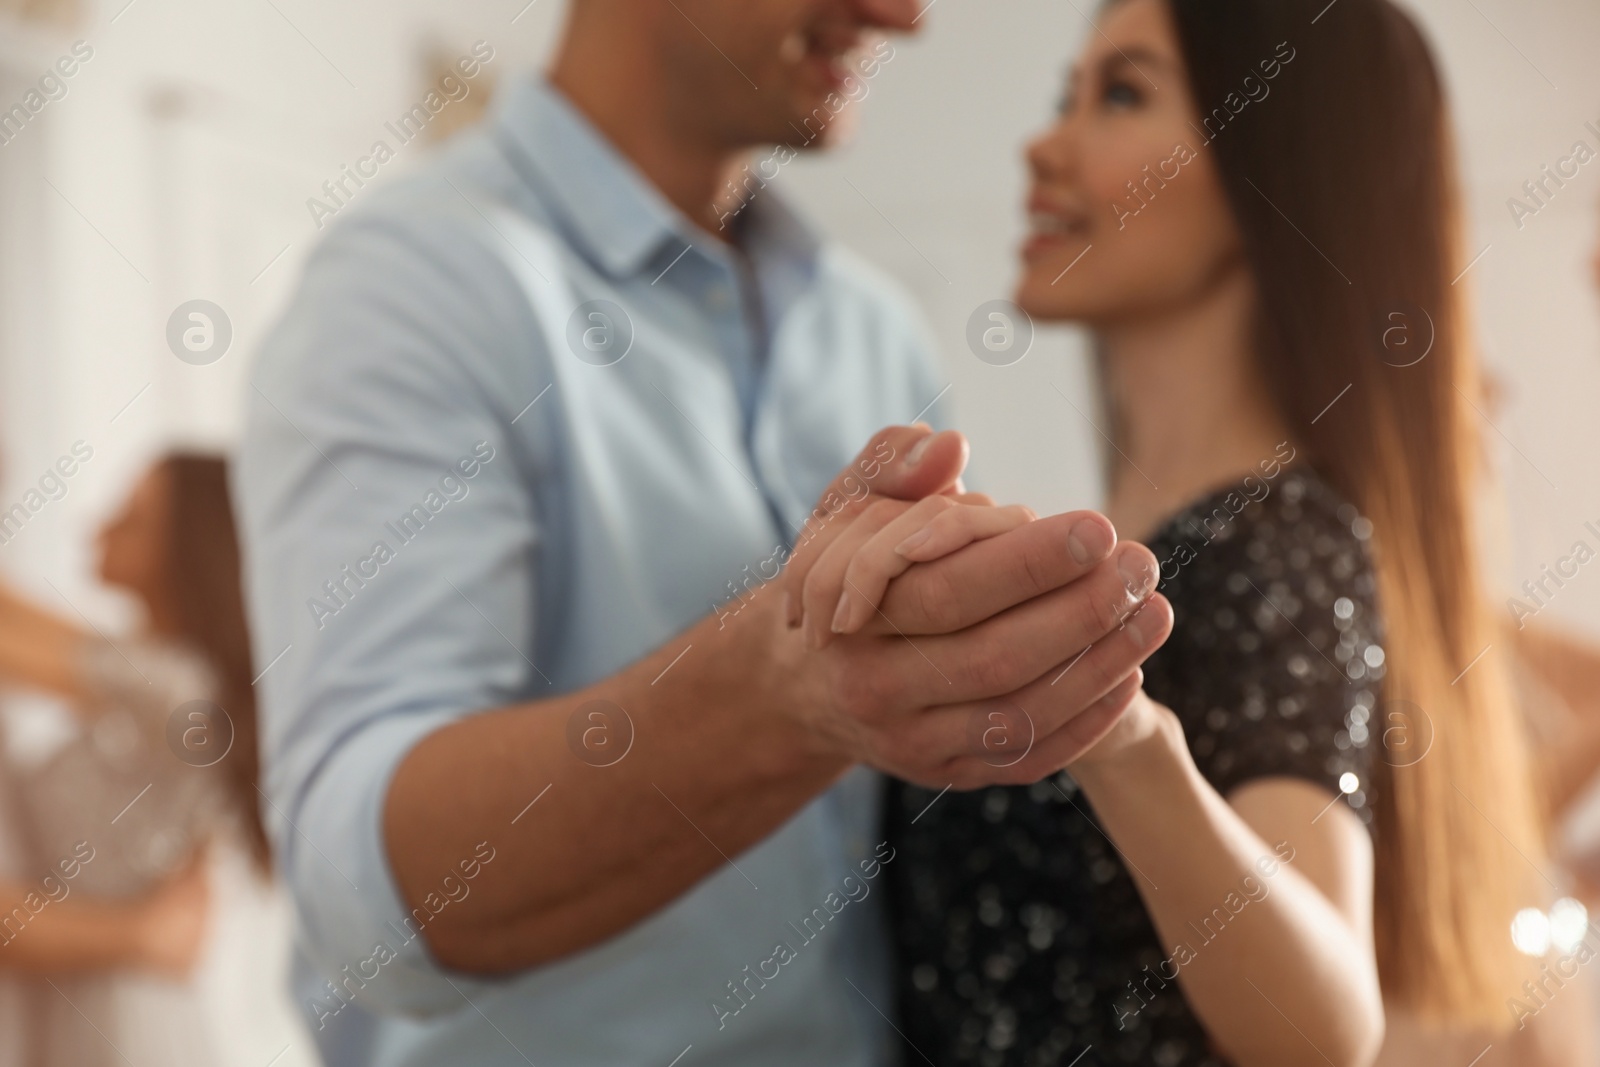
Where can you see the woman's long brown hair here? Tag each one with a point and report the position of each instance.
(1341, 181)
(205, 601)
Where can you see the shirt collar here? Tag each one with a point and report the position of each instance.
(595, 193)
(602, 201)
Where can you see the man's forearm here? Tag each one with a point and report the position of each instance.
(712, 766)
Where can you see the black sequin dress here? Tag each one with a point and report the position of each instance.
(1018, 927)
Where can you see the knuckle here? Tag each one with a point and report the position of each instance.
(882, 511)
(954, 518)
(870, 568)
(849, 690)
(1104, 669)
(1033, 567)
(919, 748)
(1104, 604)
(936, 599)
(814, 590)
(994, 669)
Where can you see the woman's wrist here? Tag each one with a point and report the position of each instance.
(1145, 746)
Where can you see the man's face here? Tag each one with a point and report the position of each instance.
(779, 71)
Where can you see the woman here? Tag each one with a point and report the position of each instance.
(164, 764)
(1323, 793)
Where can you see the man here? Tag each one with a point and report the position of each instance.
(554, 774)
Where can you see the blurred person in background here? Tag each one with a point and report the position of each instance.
(123, 825)
(1256, 189)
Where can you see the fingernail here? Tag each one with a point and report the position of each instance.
(1137, 575)
(915, 541)
(1088, 541)
(914, 456)
(841, 614)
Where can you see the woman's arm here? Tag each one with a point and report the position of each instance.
(161, 933)
(38, 649)
(1275, 958)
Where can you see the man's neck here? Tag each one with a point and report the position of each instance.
(687, 165)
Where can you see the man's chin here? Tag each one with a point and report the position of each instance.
(821, 122)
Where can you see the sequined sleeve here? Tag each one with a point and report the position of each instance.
(1276, 662)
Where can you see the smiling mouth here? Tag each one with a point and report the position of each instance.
(1048, 225)
(824, 51)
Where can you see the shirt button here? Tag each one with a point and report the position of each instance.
(718, 298)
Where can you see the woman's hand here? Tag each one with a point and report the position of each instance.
(37, 649)
(846, 585)
(1143, 724)
(170, 924)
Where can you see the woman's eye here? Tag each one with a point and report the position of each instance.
(1121, 95)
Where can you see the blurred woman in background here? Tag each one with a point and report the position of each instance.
(163, 766)
(1261, 195)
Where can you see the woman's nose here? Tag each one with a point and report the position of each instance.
(1050, 153)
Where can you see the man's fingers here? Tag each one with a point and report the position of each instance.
(1058, 699)
(1089, 635)
(990, 576)
(1037, 729)
(1052, 752)
(905, 462)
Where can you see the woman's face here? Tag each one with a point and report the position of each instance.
(1128, 216)
(131, 543)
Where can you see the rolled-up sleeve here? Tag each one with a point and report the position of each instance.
(391, 541)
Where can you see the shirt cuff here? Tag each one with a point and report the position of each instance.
(359, 934)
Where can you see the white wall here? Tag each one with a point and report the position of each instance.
(184, 152)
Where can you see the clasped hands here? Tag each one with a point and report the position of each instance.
(939, 638)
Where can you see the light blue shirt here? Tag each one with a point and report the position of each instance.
(460, 489)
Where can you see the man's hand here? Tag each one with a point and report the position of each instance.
(1032, 627)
